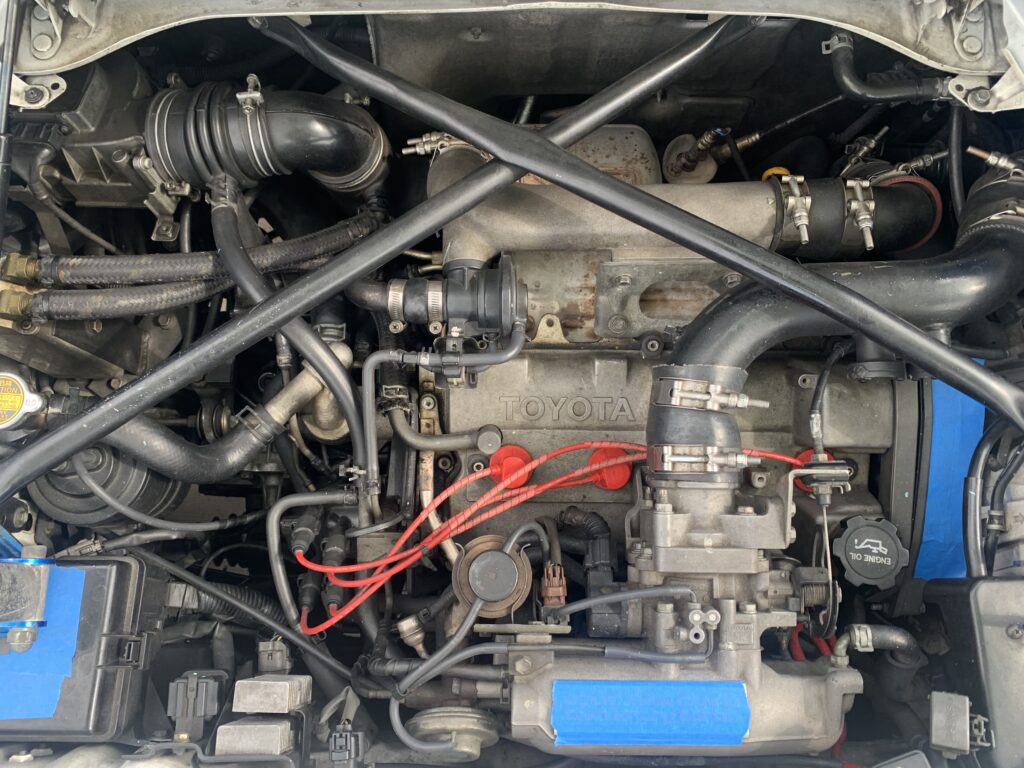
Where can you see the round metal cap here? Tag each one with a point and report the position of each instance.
(493, 576)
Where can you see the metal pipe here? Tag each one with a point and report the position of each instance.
(533, 152)
(224, 218)
(362, 259)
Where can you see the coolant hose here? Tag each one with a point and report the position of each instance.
(225, 221)
(979, 275)
(147, 268)
(850, 83)
(487, 438)
(173, 456)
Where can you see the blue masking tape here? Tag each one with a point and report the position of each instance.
(706, 713)
(33, 679)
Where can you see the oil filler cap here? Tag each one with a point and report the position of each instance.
(871, 552)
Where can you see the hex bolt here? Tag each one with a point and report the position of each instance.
(93, 326)
(665, 608)
(979, 97)
(522, 665)
(163, 321)
(748, 608)
(624, 280)
(733, 279)
(34, 94)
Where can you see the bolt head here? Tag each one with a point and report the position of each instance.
(522, 665)
(624, 280)
(42, 43)
(979, 97)
(1015, 631)
(972, 45)
(617, 324)
(34, 94)
(733, 279)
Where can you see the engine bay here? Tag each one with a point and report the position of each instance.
(539, 386)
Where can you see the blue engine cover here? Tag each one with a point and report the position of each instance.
(705, 713)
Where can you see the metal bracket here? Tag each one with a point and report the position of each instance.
(36, 91)
(252, 97)
(162, 198)
(45, 29)
(970, 30)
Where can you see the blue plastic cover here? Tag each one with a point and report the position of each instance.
(957, 424)
(706, 713)
(32, 680)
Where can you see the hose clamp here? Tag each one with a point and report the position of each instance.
(435, 304)
(396, 305)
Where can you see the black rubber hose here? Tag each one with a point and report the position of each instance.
(816, 415)
(215, 591)
(197, 134)
(956, 160)
(974, 491)
(850, 83)
(216, 605)
(369, 294)
(105, 303)
(456, 441)
(163, 450)
(146, 269)
(1013, 466)
(420, 222)
(224, 219)
(592, 524)
(981, 274)
(534, 152)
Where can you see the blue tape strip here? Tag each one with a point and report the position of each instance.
(35, 677)
(707, 713)
(957, 424)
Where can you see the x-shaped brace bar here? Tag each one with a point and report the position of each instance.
(361, 259)
(534, 152)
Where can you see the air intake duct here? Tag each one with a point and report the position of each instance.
(195, 134)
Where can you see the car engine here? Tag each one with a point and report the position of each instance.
(544, 384)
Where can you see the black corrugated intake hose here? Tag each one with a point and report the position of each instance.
(979, 275)
(145, 269)
(218, 606)
(853, 87)
(196, 134)
(325, 667)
